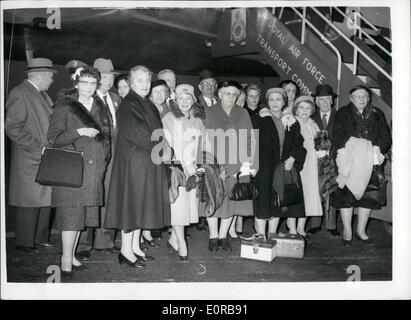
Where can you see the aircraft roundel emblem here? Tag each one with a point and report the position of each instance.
(238, 31)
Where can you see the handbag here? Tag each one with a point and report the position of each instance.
(287, 187)
(376, 192)
(59, 167)
(243, 190)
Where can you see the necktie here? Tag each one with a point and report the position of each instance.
(105, 100)
(45, 96)
(324, 120)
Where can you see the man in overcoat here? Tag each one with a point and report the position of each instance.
(28, 111)
(324, 118)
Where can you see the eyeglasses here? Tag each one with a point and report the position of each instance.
(88, 83)
(209, 83)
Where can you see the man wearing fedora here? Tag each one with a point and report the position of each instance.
(324, 117)
(103, 238)
(207, 87)
(28, 111)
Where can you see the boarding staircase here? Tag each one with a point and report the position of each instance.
(307, 46)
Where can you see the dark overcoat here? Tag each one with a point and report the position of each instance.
(270, 158)
(138, 194)
(371, 125)
(27, 121)
(70, 115)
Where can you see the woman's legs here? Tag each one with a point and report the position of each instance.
(68, 239)
(239, 224)
(173, 239)
(346, 217)
(291, 222)
(232, 230)
(127, 245)
(273, 225)
(301, 226)
(182, 245)
(147, 235)
(136, 243)
(75, 260)
(363, 215)
(213, 227)
(224, 226)
(260, 225)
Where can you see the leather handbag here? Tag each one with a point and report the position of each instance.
(59, 167)
(287, 187)
(376, 192)
(243, 190)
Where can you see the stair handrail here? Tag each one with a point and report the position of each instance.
(356, 48)
(362, 31)
(372, 26)
(325, 40)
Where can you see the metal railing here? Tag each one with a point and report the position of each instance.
(324, 39)
(357, 50)
(361, 31)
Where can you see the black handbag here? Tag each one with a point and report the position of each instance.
(59, 167)
(243, 190)
(287, 187)
(376, 192)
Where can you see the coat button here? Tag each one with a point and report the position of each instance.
(90, 161)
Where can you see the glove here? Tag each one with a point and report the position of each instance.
(191, 183)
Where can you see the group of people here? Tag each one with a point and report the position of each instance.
(151, 161)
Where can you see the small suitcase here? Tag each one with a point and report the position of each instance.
(289, 245)
(257, 248)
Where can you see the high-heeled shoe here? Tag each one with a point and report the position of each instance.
(66, 275)
(145, 258)
(81, 267)
(171, 248)
(184, 258)
(347, 243)
(136, 264)
(365, 241)
(151, 243)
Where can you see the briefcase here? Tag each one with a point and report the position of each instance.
(258, 248)
(59, 167)
(289, 245)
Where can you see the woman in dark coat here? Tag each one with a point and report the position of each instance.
(361, 120)
(138, 195)
(280, 142)
(80, 122)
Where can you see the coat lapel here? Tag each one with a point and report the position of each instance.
(47, 103)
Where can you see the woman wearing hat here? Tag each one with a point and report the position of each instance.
(228, 119)
(280, 143)
(359, 122)
(184, 133)
(138, 195)
(303, 108)
(80, 122)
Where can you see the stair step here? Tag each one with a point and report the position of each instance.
(350, 66)
(377, 91)
(362, 78)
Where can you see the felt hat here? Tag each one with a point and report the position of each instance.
(324, 91)
(40, 64)
(104, 66)
(206, 74)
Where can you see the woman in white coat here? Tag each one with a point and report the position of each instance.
(303, 108)
(185, 134)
